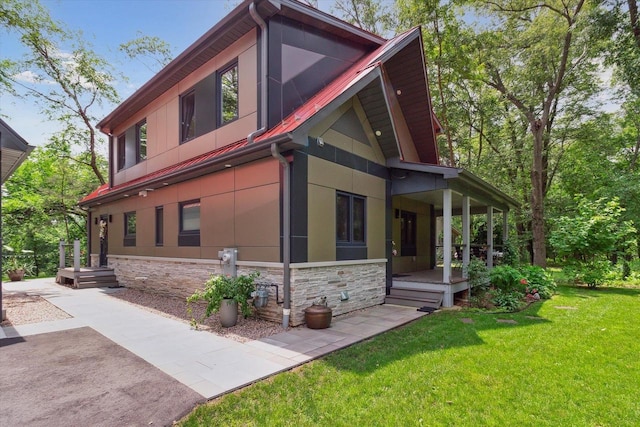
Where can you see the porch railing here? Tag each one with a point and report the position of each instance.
(63, 254)
(476, 251)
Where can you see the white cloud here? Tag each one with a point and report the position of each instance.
(31, 77)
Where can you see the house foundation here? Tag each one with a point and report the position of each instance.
(347, 285)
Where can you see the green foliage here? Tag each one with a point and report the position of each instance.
(150, 48)
(510, 254)
(596, 229)
(14, 262)
(508, 300)
(478, 274)
(511, 287)
(538, 281)
(39, 206)
(220, 287)
(507, 278)
(592, 273)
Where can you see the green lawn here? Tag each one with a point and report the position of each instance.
(576, 364)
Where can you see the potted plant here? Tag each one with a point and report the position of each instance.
(223, 294)
(319, 315)
(17, 266)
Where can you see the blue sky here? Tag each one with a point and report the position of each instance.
(106, 24)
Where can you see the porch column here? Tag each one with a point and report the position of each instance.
(505, 226)
(490, 236)
(446, 226)
(466, 232)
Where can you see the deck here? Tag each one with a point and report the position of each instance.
(431, 280)
(87, 277)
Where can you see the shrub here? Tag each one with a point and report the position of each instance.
(478, 274)
(538, 280)
(592, 273)
(507, 278)
(508, 300)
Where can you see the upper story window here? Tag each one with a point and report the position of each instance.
(121, 151)
(129, 229)
(188, 115)
(228, 90)
(141, 140)
(131, 147)
(210, 103)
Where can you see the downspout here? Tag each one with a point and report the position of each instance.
(263, 72)
(286, 190)
(286, 234)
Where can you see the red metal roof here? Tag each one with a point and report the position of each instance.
(104, 188)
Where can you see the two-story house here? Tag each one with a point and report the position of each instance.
(306, 144)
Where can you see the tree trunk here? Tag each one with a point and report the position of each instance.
(537, 197)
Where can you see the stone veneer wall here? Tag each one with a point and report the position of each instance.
(365, 284)
(177, 277)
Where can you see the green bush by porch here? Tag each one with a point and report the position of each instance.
(571, 360)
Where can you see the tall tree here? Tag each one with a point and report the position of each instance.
(371, 15)
(148, 49)
(537, 61)
(60, 72)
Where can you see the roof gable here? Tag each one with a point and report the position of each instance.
(398, 107)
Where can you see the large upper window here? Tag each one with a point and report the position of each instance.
(129, 229)
(189, 234)
(188, 115)
(141, 140)
(131, 147)
(121, 151)
(350, 219)
(228, 90)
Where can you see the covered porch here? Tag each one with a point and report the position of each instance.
(429, 252)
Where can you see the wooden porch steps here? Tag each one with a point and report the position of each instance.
(88, 278)
(411, 297)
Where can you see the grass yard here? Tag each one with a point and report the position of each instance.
(569, 361)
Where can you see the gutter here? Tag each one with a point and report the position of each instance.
(264, 46)
(286, 184)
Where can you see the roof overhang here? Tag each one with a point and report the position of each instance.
(15, 150)
(416, 180)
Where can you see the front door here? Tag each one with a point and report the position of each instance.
(104, 237)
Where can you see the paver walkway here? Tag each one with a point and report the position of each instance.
(208, 364)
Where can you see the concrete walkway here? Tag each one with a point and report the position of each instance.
(208, 364)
